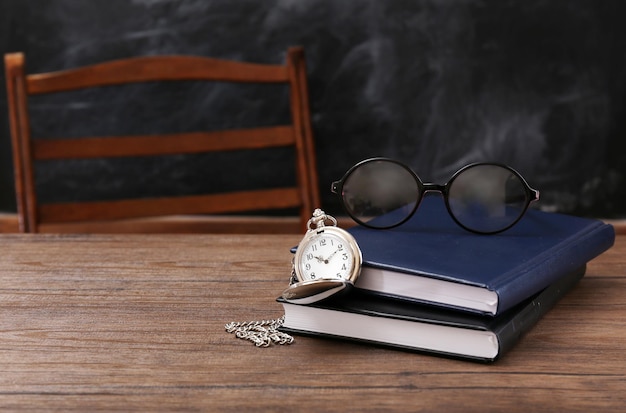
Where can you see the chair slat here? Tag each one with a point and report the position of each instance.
(150, 145)
(154, 68)
(196, 204)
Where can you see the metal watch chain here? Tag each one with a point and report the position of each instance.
(262, 333)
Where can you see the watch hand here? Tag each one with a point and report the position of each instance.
(325, 261)
(330, 256)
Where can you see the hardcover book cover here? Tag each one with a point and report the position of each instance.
(431, 259)
(362, 316)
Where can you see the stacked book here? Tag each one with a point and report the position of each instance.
(429, 285)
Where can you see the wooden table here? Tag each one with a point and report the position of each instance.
(136, 322)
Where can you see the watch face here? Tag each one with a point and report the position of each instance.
(329, 254)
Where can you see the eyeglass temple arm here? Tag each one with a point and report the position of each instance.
(535, 195)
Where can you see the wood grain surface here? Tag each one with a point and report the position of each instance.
(136, 322)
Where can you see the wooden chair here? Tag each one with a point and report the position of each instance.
(35, 216)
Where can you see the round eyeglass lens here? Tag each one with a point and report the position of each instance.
(380, 193)
(487, 198)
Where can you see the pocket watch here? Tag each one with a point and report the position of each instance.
(327, 261)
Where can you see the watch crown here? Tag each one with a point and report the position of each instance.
(318, 219)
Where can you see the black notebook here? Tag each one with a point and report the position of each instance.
(362, 316)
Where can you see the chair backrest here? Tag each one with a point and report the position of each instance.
(303, 195)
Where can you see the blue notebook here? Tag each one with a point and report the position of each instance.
(431, 259)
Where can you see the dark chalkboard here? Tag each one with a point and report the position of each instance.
(539, 85)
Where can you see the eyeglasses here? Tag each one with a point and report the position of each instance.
(484, 198)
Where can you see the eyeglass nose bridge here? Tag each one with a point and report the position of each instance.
(430, 187)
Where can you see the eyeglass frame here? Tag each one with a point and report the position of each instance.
(532, 195)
